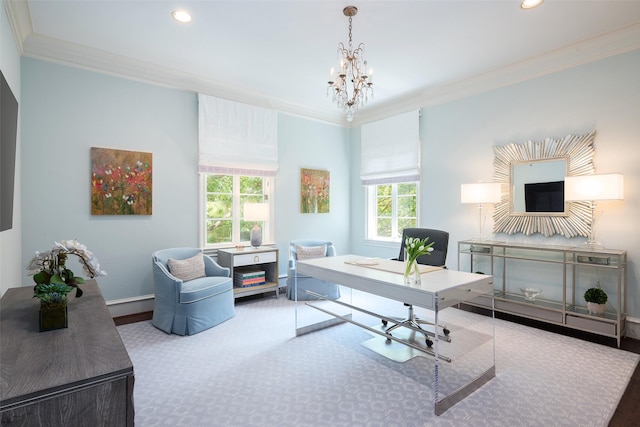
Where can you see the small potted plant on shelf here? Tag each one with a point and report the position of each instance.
(596, 299)
(53, 305)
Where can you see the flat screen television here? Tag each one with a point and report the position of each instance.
(8, 135)
(544, 196)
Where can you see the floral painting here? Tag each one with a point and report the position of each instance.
(120, 182)
(314, 191)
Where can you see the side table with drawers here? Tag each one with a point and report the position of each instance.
(251, 261)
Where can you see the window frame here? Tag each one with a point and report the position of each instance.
(268, 235)
(371, 212)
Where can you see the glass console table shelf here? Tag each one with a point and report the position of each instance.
(562, 273)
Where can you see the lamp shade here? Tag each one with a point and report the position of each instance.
(608, 186)
(480, 192)
(256, 211)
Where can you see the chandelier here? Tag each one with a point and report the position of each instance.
(351, 84)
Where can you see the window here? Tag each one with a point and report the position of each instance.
(390, 209)
(223, 198)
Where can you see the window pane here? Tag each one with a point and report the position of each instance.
(383, 227)
(395, 208)
(219, 184)
(407, 206)
(385, 205)
(219, 206)
(251, 185)
(383, 190)
(224, 199)
(407, 188)
(219, 231)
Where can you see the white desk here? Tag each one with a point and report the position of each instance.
(439, 290)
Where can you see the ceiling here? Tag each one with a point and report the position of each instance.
(278, 54)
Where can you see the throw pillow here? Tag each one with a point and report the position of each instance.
(308, 252)
(187, 269)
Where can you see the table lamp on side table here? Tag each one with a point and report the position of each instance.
(256, 212)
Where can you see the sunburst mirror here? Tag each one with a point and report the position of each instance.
(532, 177)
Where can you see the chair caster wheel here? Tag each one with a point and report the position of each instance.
(384, 323)
(446, 332)
(429, 343)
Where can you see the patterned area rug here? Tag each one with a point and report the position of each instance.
(252, 371)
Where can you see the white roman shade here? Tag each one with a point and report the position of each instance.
(236, 138)
(390, 150)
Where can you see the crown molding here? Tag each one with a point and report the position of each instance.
(19, 18)
(78, 56)
(609, 44)
(65, 53)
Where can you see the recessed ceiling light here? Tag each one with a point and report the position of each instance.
(181, 16)
(530, 4)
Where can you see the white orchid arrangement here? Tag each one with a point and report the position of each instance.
(49, 267)
(413, 248)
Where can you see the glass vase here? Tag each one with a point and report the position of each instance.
(411, 273)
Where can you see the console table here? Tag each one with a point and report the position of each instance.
(78, 376)
(562, 273)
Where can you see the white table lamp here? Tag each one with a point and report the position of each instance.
(480, 193)
(592, 188)
(256, 212)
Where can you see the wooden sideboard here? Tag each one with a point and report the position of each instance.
(78, 376)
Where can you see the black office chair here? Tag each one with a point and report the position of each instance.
(437, 258)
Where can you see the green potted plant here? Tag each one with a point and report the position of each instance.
(53, 305)
(596, 299)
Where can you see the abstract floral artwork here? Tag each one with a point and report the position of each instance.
(314, 191)
(120, 182)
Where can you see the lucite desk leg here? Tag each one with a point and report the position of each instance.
(312, 327)
(436, 366)
(441, 405)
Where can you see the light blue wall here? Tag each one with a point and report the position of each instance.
(310, 144)
(457, 140)
(11, 240)
(67, 111)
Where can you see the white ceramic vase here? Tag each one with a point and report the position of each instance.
(595, 308)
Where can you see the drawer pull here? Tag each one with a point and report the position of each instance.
(256, 258)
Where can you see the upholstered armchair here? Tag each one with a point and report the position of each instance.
(306, 249)
(192, 292)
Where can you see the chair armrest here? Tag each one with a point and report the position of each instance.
(166, 283)
(212, 268)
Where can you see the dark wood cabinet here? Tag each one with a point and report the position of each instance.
(78, 376)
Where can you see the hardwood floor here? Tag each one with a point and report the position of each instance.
(628, 411)
(626, 415)
(133, 318)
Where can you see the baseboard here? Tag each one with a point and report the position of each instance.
(131, 306)
(633, 328)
